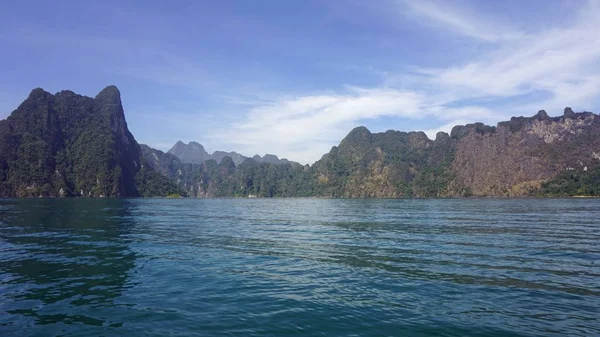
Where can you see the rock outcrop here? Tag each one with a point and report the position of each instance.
(71, 145)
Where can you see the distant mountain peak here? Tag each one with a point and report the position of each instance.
(189, 153)
(197, 146)
(194, 153)
(271, 158)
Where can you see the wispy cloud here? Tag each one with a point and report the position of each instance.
(562, 62)
(443, 15)
(434, 64)
(541, 61)
(305, 127)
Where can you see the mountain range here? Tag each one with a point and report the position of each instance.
(195, 153)
(70, 145)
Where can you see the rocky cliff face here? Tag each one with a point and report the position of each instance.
(71, 145)
(516, 157)
(390, 164)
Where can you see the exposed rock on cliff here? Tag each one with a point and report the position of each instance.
(71, 145)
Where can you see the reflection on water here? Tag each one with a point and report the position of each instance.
(300, 267)
(61, 260)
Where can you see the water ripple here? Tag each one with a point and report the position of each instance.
(311, 267)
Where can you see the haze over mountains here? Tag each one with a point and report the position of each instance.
(71, 145)
(195, 153)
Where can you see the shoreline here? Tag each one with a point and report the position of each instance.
(311, 197)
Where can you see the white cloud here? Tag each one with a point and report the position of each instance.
(563, 63)
(541, 61)
(304, 128)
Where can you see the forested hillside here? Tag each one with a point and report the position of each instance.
(71, 145)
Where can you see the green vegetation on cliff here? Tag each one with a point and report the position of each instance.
(250, 178)
(574, 183)
(71, 145)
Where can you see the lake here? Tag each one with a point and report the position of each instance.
(300, 267)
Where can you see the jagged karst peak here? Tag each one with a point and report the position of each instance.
(192, 152)
(108, 102)
(37, 92)
(358, 134)
(109, 95)
(38, 99)
(458, 131)
(270, 158)
(359, 131)
(66, 94)
(441, 135)
(195, 153)
(542, 115)
(568, 112)
(196, 146)
(227, 164)
(419, 135)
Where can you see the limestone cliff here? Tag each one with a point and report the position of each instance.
(516, 157)
(71, 145)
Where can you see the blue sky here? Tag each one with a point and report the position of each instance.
(294, 77)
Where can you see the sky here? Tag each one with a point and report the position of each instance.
(292, 78)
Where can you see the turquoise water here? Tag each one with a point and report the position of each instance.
(300, 267)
